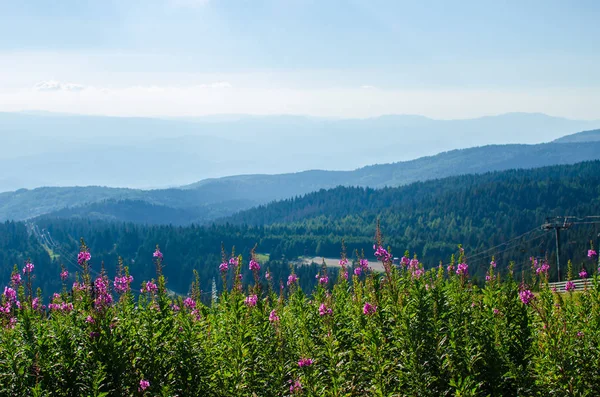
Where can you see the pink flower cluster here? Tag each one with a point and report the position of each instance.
(541, 267)
(149, 287)
(305, 362)
(223, 267)
(570, 286)
(61, 307)
(251, 300)
(526, 296)
(122, 283)
(10, 294)
(28, 268)
(369, 309)
(583, 274)
(323, 280)
(233, 262)
(64, 275)
(462, 269)
(295, 387)
(292, 279)
(16, 279)
(493, 264)
(254, 266)
(83, 256)
(592, 253)
(189, 303)
(324, 310)
(103, 296)
(144, 384)
(157, 254)
(382, 254)
(273, 317)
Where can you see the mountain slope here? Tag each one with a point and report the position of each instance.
(495, 214)
(76, 150)
(583, 136)
(214, 198)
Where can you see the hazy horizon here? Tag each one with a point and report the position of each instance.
(358, 58)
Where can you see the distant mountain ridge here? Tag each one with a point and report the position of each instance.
(211, 199)
(583, 136)
(46, 149)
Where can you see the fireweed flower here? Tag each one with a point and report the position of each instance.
(364, 264)
(121, 284)
(324, 310)
(580, 334)
(144, 384)
(273, 317)
(592, 254)
(64, 275)
(223, 267)
(496, 311)
(10, 294)
(157, 254)
(570, 286)
(28, 268)
(103, 296)
(526, 296)
(267, 275)
(450, 268)
(251, 300)
(493, 264)
(583, 274)
(295, 387)
(369, 309)
(405, 261)
(233, 262)
(292, 279)
(382, 254)
(83, 256)
(90, 320)
(189, 303)
(16, 279)
(35, 303)
(462, 269)
(323, 280)
(254, 265)
(149, 287)
(357, 271)
(305, 362)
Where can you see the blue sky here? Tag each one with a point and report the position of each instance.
(354, 58)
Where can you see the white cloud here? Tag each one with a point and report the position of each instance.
(54, 85)
(367, 87)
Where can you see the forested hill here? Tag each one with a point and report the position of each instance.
(495, 214)
(214, 198)
(583, 136)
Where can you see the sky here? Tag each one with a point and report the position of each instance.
(328, 58)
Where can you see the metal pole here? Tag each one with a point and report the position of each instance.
(558, 251)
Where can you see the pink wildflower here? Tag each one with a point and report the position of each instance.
(357, 271)
(324, 310)
(157, 254)
(526, 296)
(369, 309)
(305, 362)
(64, 275)
(83, 256)
(16, 279)
(254, 265)
(28, 268)
(592, 254)
(144, 384)
(583, 274)
(251, 300)
(223, 267)
(292, 279)
(570, 286)
(462, 269)
(273, 317)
